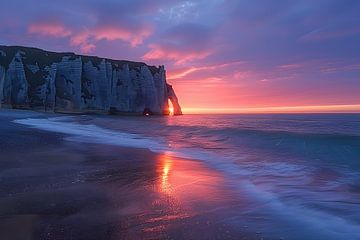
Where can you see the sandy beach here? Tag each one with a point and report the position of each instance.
(56, 189)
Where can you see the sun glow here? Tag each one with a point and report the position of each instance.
(290, 109)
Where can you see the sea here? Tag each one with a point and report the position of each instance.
(301, 170)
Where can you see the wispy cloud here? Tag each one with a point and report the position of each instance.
(49, 29)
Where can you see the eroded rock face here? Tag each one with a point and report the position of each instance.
(2, 82)
(16, 86)
(64, 82)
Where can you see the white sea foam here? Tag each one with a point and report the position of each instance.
(90, 133)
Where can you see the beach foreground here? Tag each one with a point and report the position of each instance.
(54, 189)
(71, 183)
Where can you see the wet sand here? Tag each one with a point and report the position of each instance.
(51, 188)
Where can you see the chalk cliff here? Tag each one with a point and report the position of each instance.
(65, 82)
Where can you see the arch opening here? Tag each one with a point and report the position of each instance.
(171, 107)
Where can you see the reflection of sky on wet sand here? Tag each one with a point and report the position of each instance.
(188, 199)
(182, 191)
(186, 180)
(166, 165)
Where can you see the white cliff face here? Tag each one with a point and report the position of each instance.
(122, 90)
(68, 84)
(49, 98)
(16, 86)
(149, 90)
(146, 93)
(65, 82)
(95, 84)
(2, 81)
(161, 89)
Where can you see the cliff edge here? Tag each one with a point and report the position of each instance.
(31, 78)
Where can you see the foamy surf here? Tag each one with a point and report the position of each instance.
(90, 133)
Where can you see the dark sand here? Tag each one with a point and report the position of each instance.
(51, 188)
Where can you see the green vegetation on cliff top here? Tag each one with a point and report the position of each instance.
(43, 58)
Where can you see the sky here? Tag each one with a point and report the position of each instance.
(220, 55)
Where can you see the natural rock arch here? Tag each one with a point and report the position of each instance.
(174, 100)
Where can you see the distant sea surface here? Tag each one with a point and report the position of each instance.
(299, 173)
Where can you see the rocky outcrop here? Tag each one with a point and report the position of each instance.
(65, 82)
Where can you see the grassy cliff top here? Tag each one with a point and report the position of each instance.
(46, 58)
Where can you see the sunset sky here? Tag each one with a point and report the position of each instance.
(220, 55)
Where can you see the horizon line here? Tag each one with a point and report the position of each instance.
(353, 108)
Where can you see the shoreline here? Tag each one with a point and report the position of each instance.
(58, 189)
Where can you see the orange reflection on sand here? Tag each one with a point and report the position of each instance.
(186, 179)
(166, 164)
(185, 189)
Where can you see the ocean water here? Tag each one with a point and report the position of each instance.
(301, 171)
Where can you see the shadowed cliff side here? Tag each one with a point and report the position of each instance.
(31, 78)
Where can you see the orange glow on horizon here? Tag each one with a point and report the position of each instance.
(284, 109)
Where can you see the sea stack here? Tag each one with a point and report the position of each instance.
(35, 79)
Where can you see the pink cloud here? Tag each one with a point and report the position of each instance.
(49, 29)
(81, 40)
(87, 38)
(183, 72)
(180, 73)
(158, 52)
(87, 47)
(112, 33)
